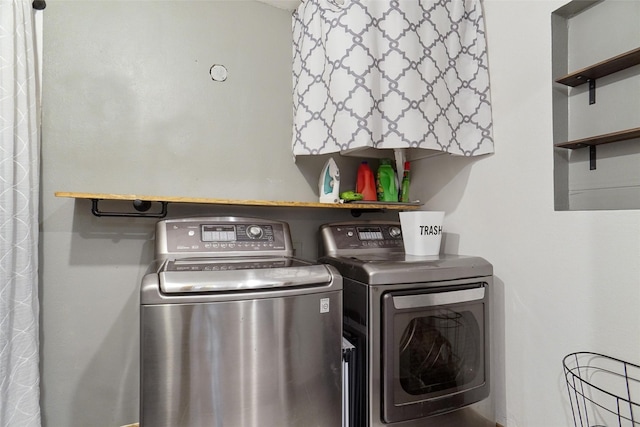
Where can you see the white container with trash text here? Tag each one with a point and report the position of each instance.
(421, 232)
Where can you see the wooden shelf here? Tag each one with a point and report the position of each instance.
(601, 139)
(95, 197)
(601, 69)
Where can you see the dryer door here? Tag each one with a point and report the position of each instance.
(435, 350)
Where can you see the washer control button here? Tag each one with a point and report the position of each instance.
(254, 231)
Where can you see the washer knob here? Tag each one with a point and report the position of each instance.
(254, 231)
(395, 232)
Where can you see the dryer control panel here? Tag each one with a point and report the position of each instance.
(222, 236)
(362, 236)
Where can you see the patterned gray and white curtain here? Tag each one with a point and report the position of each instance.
(391, 74)
(19, 187)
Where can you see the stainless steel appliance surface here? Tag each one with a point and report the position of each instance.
(235, 331)
(420, 325)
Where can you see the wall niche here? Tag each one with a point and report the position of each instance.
(596, 105)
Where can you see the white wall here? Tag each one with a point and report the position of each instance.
(565, 281)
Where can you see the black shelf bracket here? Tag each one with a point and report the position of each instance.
(356, 213)
(592, 157)
(592, 91)
(141, 206)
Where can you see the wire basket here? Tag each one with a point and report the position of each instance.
(603, 391)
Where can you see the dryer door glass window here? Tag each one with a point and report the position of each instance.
(440, 351)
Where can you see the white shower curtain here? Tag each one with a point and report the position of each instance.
(391, 74)
(19, 187)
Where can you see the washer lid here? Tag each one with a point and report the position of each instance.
(191, 275)
(394, 268)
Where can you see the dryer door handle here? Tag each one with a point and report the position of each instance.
(439, 298)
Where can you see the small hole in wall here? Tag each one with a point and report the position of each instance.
(218, 72)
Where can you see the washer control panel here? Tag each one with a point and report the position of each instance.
(222, 236)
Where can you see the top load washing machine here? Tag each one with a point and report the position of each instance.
(237, 332)
(420, 325)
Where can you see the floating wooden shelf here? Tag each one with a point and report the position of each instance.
(601, 139)
(593, 141)
(601, 69)
(95, 197)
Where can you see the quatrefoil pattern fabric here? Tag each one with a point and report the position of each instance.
(390, 74)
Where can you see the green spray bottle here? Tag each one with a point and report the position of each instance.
(406, 181)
